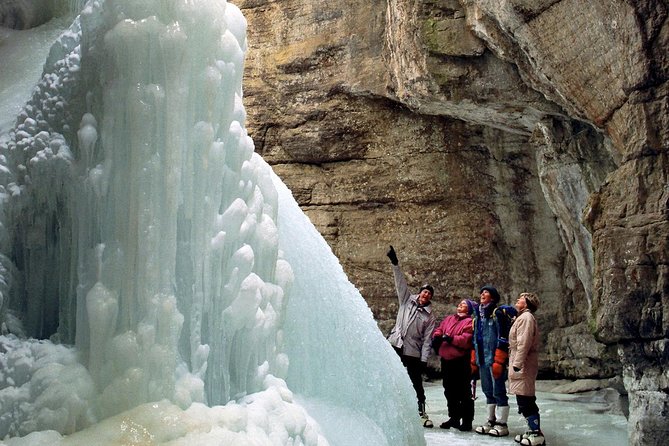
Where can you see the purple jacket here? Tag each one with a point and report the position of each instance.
(460, 327)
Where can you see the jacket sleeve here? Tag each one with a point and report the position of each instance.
(524, 339)
(427, 340)
(401, 286)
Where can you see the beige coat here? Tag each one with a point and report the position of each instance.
(523, 354)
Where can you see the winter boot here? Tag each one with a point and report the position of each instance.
(484, 429)
(423, 415)
(451, 422)
(534, 423)
(534, 438)
(500, 429)
(453, 416)
(467, 416)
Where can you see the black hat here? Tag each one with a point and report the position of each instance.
(427, 287)
(493, 292)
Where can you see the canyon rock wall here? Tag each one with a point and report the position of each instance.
(514, 142)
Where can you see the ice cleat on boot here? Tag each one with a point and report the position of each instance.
(423, 415)
(485, 428)
(426, 421)
(499, 430)
(534, 438)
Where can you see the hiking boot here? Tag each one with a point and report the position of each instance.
(499, 430)
(534, 438)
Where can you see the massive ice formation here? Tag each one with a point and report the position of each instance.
(165, 269)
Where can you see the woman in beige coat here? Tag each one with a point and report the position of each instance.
(524, 366)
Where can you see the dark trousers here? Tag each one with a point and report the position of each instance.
(415, 370)
(527, 405)
(456, 379)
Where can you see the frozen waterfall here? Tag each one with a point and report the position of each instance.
(159, 282)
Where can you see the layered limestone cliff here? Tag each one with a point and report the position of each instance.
(514, 142)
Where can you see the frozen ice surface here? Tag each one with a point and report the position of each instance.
(566, 420)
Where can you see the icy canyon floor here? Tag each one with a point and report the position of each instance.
(588, 418)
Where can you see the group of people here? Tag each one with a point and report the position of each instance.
(484, 340)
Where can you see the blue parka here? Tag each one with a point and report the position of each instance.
(491, 331)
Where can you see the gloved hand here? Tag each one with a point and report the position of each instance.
(423, 366)
(500, 361)
(448, 338)
(392, 256)
(472, 363)
(436, 343)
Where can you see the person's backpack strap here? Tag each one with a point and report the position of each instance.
(505, 315)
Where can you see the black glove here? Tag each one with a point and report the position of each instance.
(448, 338)
(423, 367)
(436, 343)
(392, 256)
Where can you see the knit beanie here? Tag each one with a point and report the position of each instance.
(471, 306)
(427, 287)
(493, 292)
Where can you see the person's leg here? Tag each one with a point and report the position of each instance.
(463, 392)
(527, 406)
(449, 380)
(501, 428)
(491, 404)
(415, 370)
(467, 415)
(487, 384)
(399, 353)
(499, 391)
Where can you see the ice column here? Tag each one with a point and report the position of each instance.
(178, 215)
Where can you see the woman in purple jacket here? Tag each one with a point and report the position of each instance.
(452, 339)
